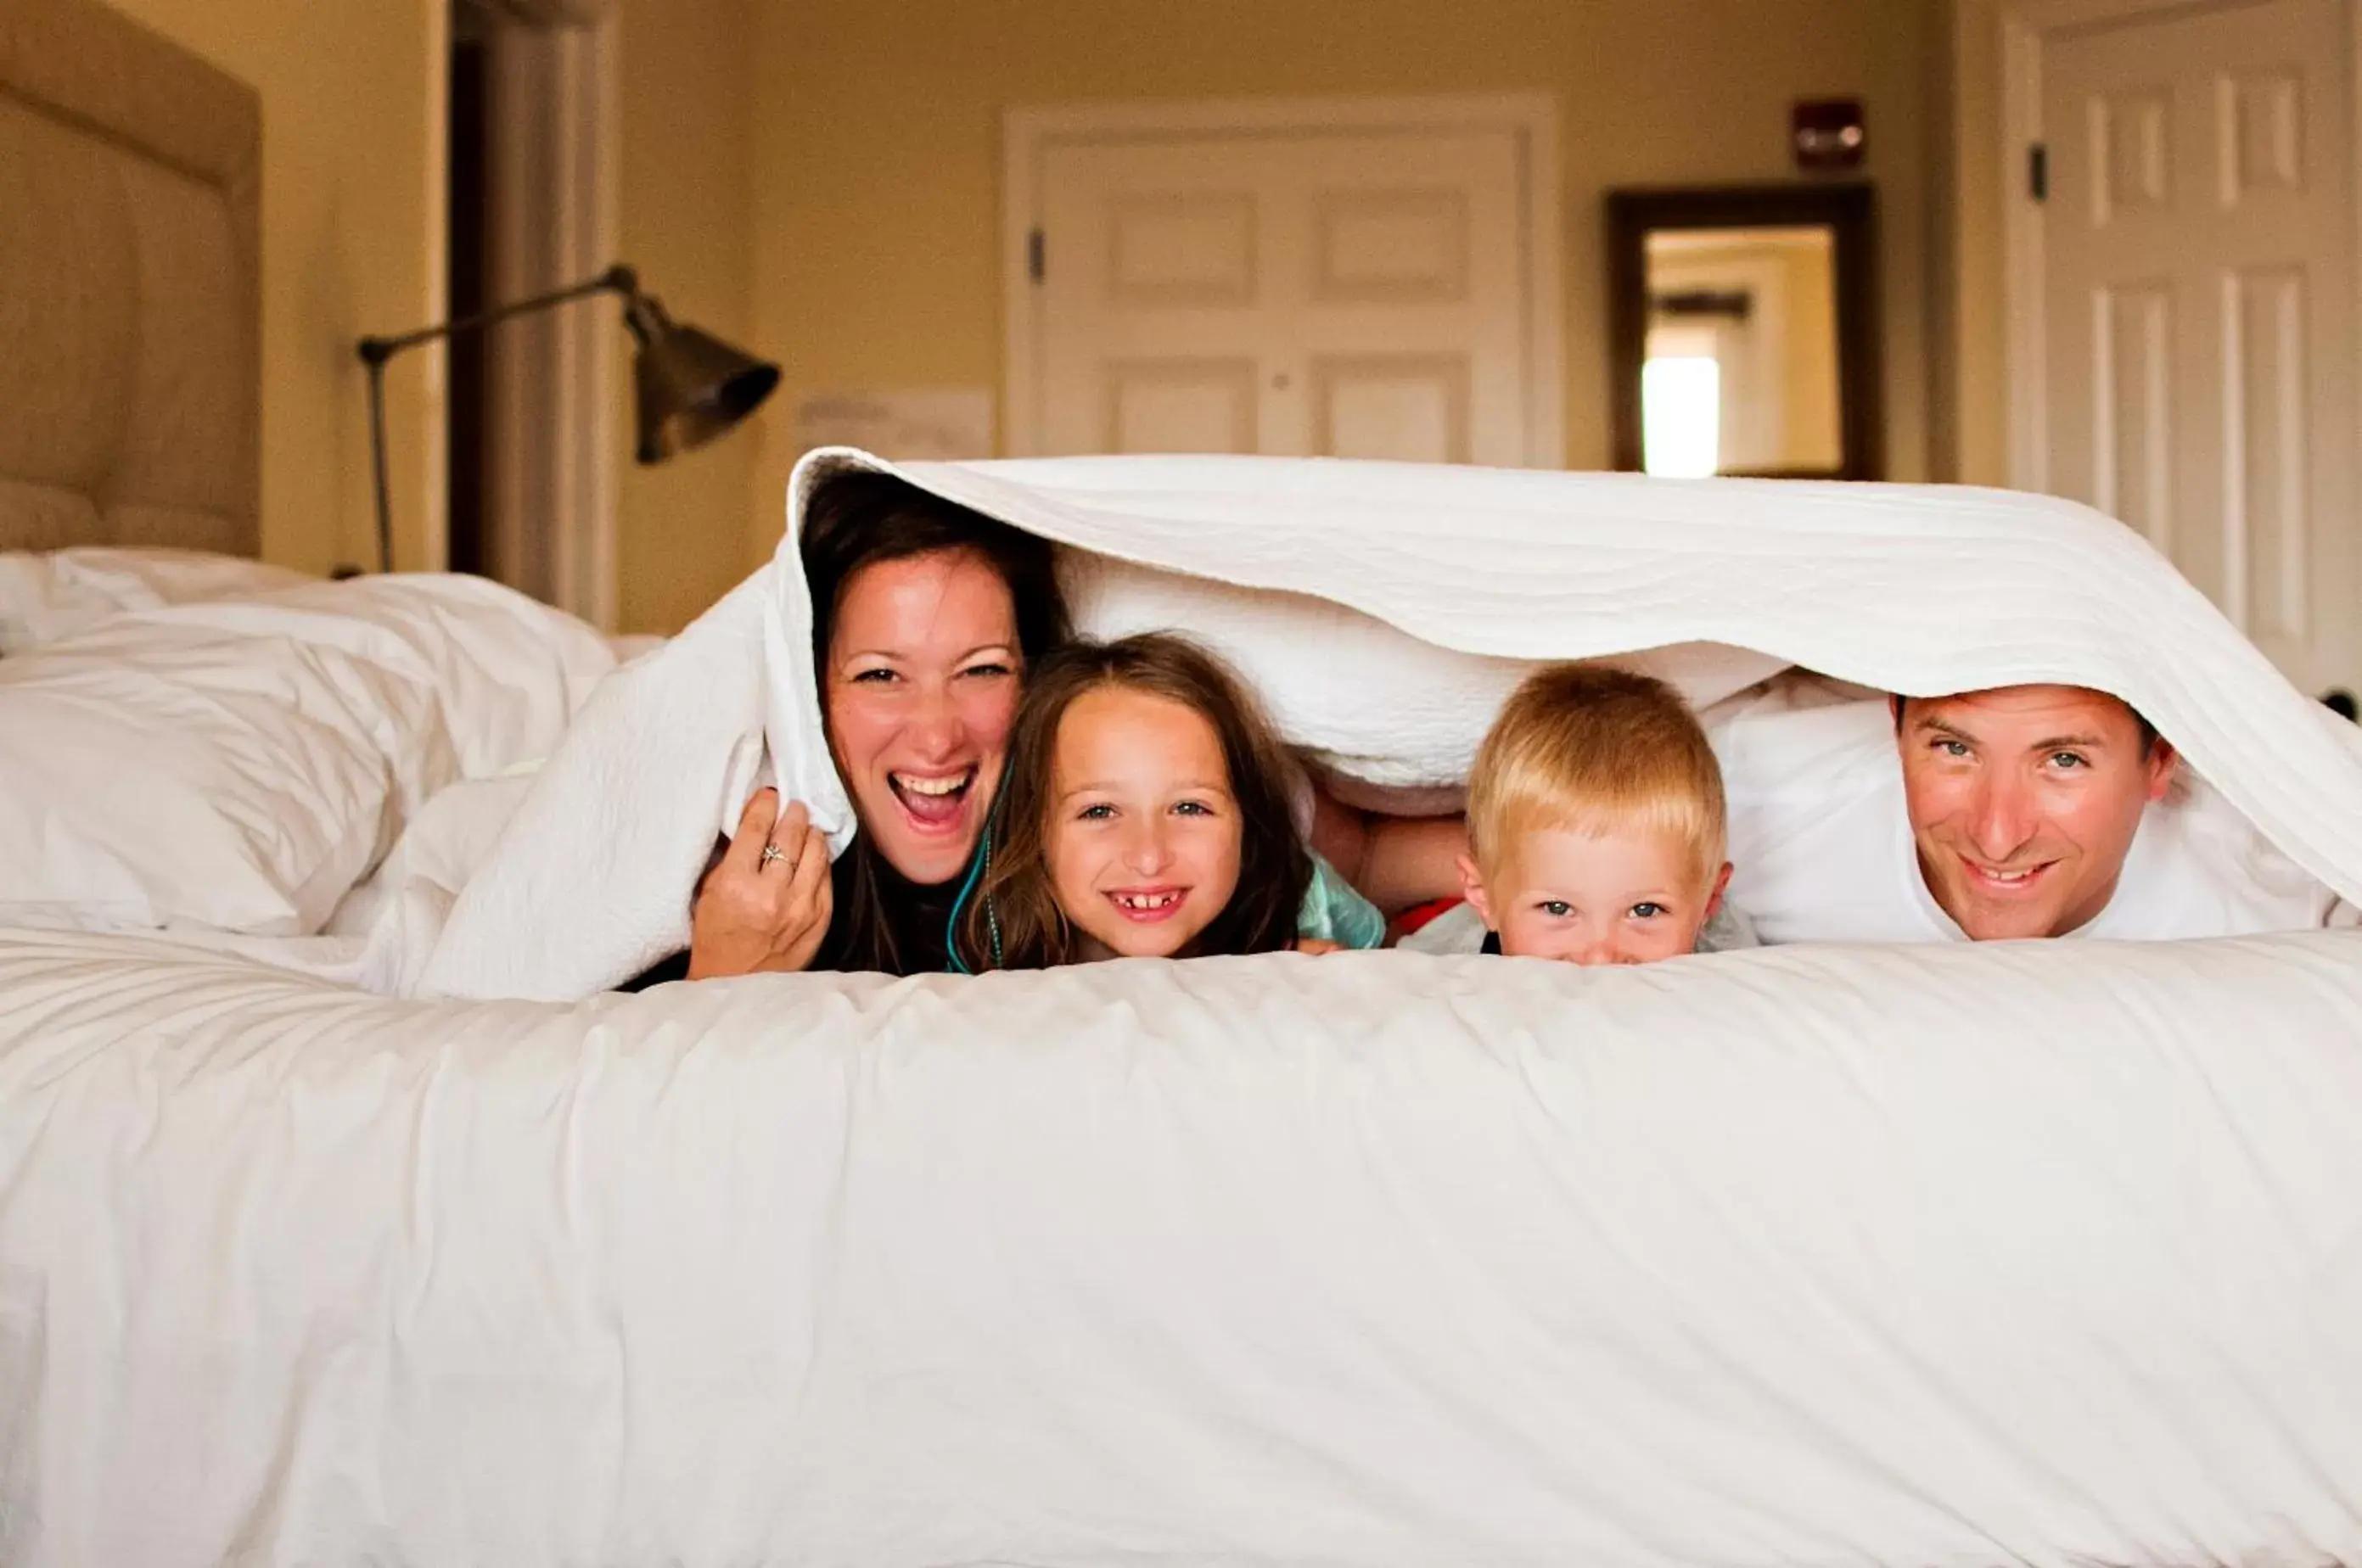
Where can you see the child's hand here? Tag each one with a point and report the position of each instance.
(1316, 946)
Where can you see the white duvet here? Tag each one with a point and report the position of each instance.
(1384, 609)
(1925, 1256)
(1938, 1257)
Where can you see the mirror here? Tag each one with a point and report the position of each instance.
(1743, 332)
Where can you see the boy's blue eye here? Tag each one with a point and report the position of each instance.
(1556, 908)
(1644, 910)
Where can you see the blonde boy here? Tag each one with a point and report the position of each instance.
(1596, 821)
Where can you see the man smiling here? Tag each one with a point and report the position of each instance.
(2024, 803)
(2027, 811)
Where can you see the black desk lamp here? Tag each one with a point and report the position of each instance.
(692, 386)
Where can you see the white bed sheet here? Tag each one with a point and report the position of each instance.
(1934, 1257)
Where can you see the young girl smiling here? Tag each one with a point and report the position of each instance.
(1145, 815)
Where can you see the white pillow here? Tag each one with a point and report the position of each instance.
(634, 644)
(1335, 680)
(46, 596)
(239, 766)
(447, 839)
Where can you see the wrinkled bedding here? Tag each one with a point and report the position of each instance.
(234, 766)
(1932, 1257)
(1909, 1256)
(1382, 609)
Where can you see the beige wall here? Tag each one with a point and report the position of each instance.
(1969, 172)
(352, 243)
(685, 81)
(1813, 397)
(1806, 332)
(878, 148)
(821, 182)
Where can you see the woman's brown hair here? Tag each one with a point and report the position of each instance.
(1012, 920)
(882, 921)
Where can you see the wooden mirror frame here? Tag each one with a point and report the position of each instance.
(1848, 211)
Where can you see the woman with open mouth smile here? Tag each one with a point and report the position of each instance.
(926, 617)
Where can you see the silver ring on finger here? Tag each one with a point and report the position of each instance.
(770, 852)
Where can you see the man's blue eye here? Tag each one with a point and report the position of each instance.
(1953, 748)
(2069, 760)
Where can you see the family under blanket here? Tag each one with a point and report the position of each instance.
(1028, 799)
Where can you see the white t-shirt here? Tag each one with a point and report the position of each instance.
(1821, 841)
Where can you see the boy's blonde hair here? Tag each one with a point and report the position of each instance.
(1599, 751)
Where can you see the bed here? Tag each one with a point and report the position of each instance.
(2039, 1252)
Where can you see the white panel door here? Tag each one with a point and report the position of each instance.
(1358, 295)
(2198, 306)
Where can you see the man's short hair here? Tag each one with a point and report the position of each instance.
(1601, 751)
(2147, 732)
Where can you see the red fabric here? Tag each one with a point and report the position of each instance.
(1418, 915)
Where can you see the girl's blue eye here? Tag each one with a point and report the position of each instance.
(1098, 813)
(1193, 809)
(1644, 910)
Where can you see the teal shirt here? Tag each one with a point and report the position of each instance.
(1333, 911)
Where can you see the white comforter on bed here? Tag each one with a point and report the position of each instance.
(1918, 1256)
(2047, 1253)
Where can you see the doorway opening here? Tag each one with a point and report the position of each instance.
(529, 402)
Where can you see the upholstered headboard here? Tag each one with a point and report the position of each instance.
(130, 296)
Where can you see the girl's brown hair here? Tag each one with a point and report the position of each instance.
(1013, 921)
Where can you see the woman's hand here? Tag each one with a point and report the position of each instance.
(765, 905)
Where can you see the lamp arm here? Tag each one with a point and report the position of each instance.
(375, 351)
(618, 280)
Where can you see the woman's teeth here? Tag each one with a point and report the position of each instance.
(937, 800)
(952, 786)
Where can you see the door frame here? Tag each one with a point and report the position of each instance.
(550, 385)
(1028, 133)
(2025, 27)
(1848, 210)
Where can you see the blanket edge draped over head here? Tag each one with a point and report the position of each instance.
(1917, 589)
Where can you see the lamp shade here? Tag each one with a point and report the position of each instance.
(692, 386)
